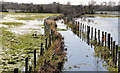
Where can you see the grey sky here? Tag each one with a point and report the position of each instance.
(73, 2)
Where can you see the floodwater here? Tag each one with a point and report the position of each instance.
(80, 56)
(30, 25)
(106, 24)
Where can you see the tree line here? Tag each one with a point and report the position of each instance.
(68, 10)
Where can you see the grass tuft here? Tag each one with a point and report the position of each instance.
(12, 23)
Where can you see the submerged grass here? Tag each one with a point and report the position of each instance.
(12, 23)
(61, 29)
(24, 18)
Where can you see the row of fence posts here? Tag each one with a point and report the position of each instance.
(47, 45)
(110, 44)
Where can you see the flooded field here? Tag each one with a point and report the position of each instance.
(20, 34)
(80, 56)
(106, 24)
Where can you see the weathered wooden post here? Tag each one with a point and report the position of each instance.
(111, 44)
(46, 44)
(85, 32)
(102, 38)
(16, 70)
(116, 56)
(95, 34)
(80, 30)
(26, 64)
(95, 39)
(119, 62)
(109, 41)
(78, 25)
(91, 36)
(98, 37)
(34, 58)
(41, 49)
(30, 69)
(113, 53)
(105, 38)
(49, 40)
(88, 34)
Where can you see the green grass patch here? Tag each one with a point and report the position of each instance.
(18, 47)
(12, 23)
(61, 29)
(30, 17)
(101, 16)
(39, 16)
(24, 18)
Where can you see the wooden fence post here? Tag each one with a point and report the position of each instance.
(98, 37)
(26, 64)
(113, 53)
(95, 39)
(111, 44)
(88, 32)
(80, 30)
(91, 36)
(102, 38)
(109, 41)
(34, 58)
(95, 34)
(105, 38)
(41, 49)
(30, 68)
(116, 56)
(119, 62)
(46, 44)
(49, 40)
(85, 32)
(16, 70)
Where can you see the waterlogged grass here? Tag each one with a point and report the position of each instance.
(24, 18)
(17, 47)
(12, 23)
(61, 29)
(30, 17)
(39, 16)
(111, 16)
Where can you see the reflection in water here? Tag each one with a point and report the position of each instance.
(80, 56)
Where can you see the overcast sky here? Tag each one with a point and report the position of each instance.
(73, 2)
